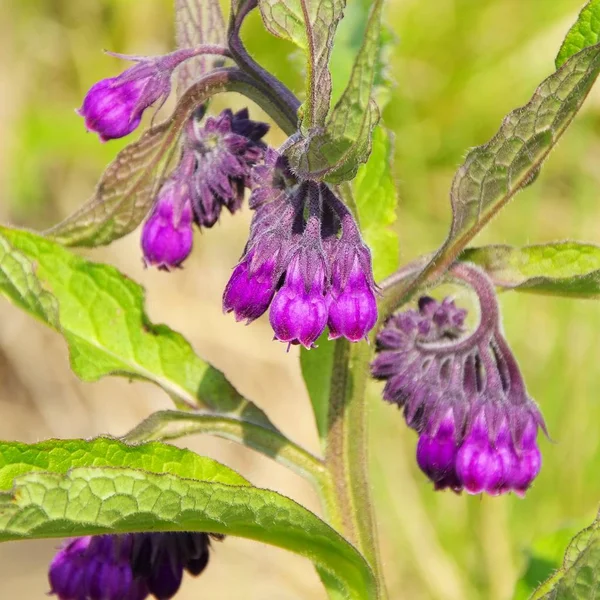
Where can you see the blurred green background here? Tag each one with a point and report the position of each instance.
(459, 67)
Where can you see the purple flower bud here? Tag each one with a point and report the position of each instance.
(463, 393)
(128, 566)
(353, 308)
(299, 309)
(113, 107)
(167, 235)
(436, 455)
(250, 291)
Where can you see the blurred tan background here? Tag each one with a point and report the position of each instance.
(460, 65)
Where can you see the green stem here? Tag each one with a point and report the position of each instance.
(346, 456)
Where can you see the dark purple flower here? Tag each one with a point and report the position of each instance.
(113, 107)
(225, 148)
(463, 394)
(127, 566)
(305, 258)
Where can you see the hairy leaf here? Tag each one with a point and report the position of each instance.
(310, 24)
(579, 577)
(59, 456)
(130, 183)
(336, 152)
(198, 22)
(174, 424)
(493, 173)
(585, 32)
(101, 315)
(376, 200)
(563, 269)
(83, 500)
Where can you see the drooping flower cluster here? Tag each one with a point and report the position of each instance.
(305, 259)
(465, 397)
(213, 172)
(127, 566)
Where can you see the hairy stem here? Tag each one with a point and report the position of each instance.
(346, 456)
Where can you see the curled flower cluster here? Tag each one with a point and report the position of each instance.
(127, 566)
(465, 397)
(305, 259)
(213, 172)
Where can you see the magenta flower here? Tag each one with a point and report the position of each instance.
(464, 395)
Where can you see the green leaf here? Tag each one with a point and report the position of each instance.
(585, 32)
(564, 269)
(316, 365)
(130, 183)
(101, 315)
(543, 558)
(493, 173)
(336, 152)
(311, 25)
(198, 22)
(82, 500)
(173, 424)
(578, 579)
(376, 200)
(60, 456)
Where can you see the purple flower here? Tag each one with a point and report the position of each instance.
(298, 312)
(305, 258)
(213, 171)
(113, 107)
(463, 394)
(167, 235)
(128, 566)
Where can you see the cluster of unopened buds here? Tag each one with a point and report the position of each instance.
(305, 258)
(463, 393)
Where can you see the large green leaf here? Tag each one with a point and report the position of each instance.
(73, 500)
(563, 268)
(585, 32)
(376, 200)
(311, 25)
(59, 456)
(493, 173)
(579, 578)
(337, 151)
(101, 315)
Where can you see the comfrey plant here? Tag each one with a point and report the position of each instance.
(321, 259)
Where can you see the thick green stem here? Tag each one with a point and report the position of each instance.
(346, 456)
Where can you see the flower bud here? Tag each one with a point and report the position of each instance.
(298, 312)
(167, 235)
(113, 107)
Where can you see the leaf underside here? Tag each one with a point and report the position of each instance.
(564, 268)
(198, 22)
(579, 577)
(493, 173)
